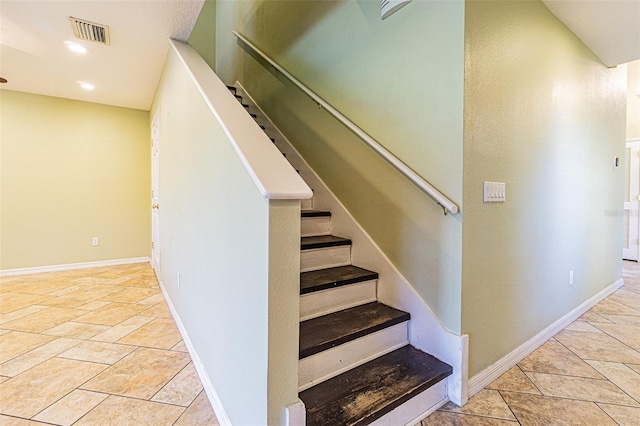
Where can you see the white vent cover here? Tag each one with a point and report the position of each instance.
(389, 7)
(90, 31)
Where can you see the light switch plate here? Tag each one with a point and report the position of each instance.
(495, 192)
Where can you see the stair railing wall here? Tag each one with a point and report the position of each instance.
(447, 204)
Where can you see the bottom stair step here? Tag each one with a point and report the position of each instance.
(368, 392)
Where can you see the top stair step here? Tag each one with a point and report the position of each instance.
(368, 392)
(322, 241)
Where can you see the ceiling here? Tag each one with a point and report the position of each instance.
(34, 57)
(610, 28)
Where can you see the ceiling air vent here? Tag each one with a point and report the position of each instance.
(90, 31)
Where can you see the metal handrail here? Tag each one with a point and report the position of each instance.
(426, 187)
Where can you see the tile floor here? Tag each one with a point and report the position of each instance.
(99, 347)
(588, 374)
(94, 347)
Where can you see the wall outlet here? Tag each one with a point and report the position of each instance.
(94, 241)
(178, 280)
(570, 277)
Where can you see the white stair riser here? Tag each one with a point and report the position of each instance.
(417, 408)
(315, 226)
(327, 364)
(324, 302)
(321, 258)
(306, 204)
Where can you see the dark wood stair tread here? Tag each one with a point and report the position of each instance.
(321, 241)
(328, 331)
(323, 279)
(315, 213)
(366, 393)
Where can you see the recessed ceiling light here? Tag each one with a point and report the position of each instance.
(75, 47)
(86, 86)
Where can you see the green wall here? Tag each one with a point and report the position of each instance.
(71, 171)
(203, 36)
(544, 115)
(401, 81)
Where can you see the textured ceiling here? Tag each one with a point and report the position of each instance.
(35, 59)
(610, 28)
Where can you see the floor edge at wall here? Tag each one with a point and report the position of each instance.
(69, 266)
(497, 369)
(212, 395)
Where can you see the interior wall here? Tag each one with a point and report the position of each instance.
(401, 81)
(71, 171)
(544, 115)
(633, 100)
(203, 35)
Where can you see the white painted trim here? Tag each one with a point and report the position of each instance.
(210, 391)
(498, 368)
(426, 332)
(68, 266)
(269, 170)
(296, 414)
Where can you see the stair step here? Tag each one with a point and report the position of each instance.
(324, 279)
(232, 89)
(322, 241)
(328, 331)
(315, 213)
(368, 392)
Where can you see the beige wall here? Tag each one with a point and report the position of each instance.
(71, 171)
(633, 100)
(544, 115)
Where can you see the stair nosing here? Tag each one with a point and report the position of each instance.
(329, 284)
(333, 242)
(315, 213)
(399, 318)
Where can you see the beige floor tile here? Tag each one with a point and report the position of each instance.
(4, 379)
(130, 295)
(10, 302)
(582, 326)
(486, 403)
(161, 310)
(581, 388)
(626, 333)
(624, 319)
(199, 413)
(622, 376)
(34, 390)
(38, 355)
(14, 421)
(76, 330)
(74, 299)
(102, 352)
(609, 306)
(534, 410)
(627, 298)
(160, 333)
(34, 287)
(140, 281)
(591, 316)
(140, 374)
(180, 346)
(16, 343)
(443, 418)
(182, 389)
(111, 314)
(20, 313)
(43, 320)
(92, 306)
(624, 416)
(120, 411)
(117, 332)
(634, 367)
(554, 358)
(514, 380)
(72, 407)
(597, 346)
(153, 300)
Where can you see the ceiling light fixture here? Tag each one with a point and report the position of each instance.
(75, 47)
(3, 80)
(86, 86)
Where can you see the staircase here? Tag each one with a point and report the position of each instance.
(356, 366)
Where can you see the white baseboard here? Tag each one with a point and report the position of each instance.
(491, 373)
(212, 395)
(54, 268)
